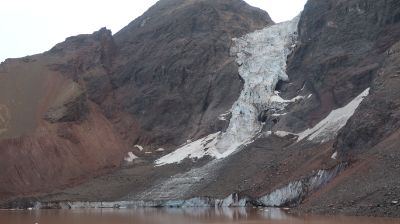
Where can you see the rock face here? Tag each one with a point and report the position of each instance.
(346, 47)
(169, 86)
(174, 73)
(75, 111)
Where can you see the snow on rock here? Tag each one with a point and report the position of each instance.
(334, 155)
(278, 115)
(130, 157)
(283, 133)
(160, 150)
(328, 128)
(223, 117)
(193, 150)
(277, 99)
(139, 147)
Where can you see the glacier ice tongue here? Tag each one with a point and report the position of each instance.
(261, 57)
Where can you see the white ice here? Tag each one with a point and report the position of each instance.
(261, 57)
(130, 157)
(334, 155)
(139, 147)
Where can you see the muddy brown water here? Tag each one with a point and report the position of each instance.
(177, 216)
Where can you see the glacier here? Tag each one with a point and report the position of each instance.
(261, 57)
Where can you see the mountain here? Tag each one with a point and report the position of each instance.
(75, 111)
(201, 102)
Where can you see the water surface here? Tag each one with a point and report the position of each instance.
(177, 216)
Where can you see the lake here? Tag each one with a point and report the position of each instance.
(176, 216)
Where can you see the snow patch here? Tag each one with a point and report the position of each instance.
(283, 133)
(278, 115)
(160, 150)
(334, 155)
(130, 157)
(328, 128)
(278, 99)
(223, 117)
(193, 150)
(139, 147)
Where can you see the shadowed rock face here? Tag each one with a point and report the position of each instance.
(173, 72)
(75, 111)
(344, 48)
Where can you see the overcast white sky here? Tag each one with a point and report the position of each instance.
(33, 26)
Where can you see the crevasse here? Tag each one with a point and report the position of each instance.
(261, 57)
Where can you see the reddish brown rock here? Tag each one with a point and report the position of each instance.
(74, 112)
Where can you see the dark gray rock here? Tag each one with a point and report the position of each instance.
(174, 74)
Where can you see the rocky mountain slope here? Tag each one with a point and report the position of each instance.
(75, 111)
(211, 103)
